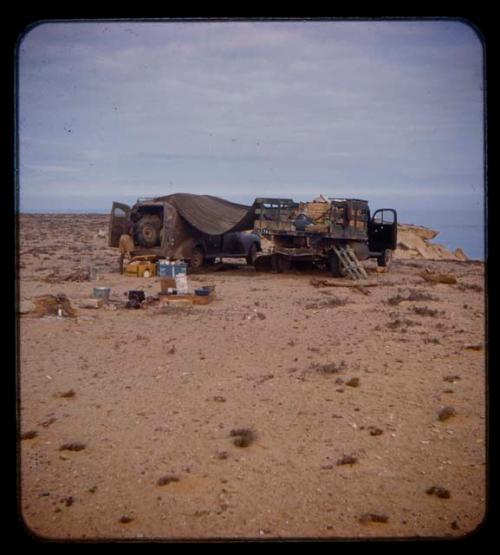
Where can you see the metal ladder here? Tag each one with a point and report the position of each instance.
(350, 262)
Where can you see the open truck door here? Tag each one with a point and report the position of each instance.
(120, 214)
(382, 236)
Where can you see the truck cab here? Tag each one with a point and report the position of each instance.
(382, 234)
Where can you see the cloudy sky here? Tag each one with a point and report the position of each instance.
(391, 111)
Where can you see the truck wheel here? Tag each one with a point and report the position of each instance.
(148, 230)
(385, 259)
(197, 258)
(280, 263)
(336, 267)
(263, 263)
(252, 255)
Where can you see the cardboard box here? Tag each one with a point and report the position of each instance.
(91, 303)
(204, 299)
(177, 299)
(188, 299)
(166, 283)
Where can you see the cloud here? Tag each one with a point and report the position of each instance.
(231, 106)
(50, 168)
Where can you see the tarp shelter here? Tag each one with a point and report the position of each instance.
(212, 215)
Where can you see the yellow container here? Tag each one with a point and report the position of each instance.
(132, 269)
(148, 268)
(138, 269)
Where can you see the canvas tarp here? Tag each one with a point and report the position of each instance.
(212, 215)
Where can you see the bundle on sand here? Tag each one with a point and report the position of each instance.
(315, 282)
(438, 278)
(48, 305)
(80, 274)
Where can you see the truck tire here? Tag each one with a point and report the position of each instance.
(385, 259)
(148, 230)
(197, 258)
(336, 267)
(263, 263)
(252, 255)
(280, 263)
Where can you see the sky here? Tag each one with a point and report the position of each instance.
(389, 111)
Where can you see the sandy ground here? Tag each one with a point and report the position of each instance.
(321, 376)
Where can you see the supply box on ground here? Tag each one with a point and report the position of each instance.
(189, 299)
(141, 269)
(169, 269)
(166, 284)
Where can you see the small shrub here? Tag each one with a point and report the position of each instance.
(434, 340)
(347, 459)
(446, 413)
(165, 480)
(394, 301)
(438, 491)
(67, 394)
(75, 446)
(425, 311)
(29, 435)
(401, 323)
(471, 287)
(451, 378)
(414, 295)
(335, 301)
(329, 368)
(243, 437)
(373, 517)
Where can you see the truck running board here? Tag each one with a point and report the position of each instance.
(349, 261)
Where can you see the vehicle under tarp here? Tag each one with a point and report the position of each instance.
(212, 215)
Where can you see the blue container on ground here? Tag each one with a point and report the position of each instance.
(171, 269)
(165, 268)
(180, 268)
(202, 292)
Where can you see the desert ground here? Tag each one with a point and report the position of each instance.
(283, 409)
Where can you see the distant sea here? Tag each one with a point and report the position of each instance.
(457, 228)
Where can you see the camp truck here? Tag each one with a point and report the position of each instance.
(196, 228)
(334, 232)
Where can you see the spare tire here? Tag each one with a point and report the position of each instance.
(280, 263)
(148, 230)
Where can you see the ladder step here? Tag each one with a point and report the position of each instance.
(350, 262)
